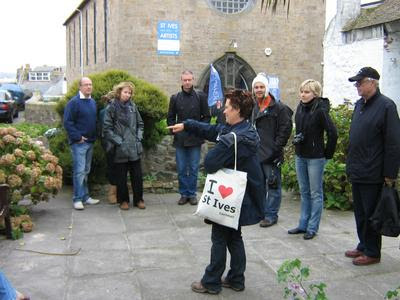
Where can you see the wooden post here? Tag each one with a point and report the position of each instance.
(5, 209)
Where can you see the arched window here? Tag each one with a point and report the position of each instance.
(231, 6)
(233, 71)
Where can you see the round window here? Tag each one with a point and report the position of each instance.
(231, 6)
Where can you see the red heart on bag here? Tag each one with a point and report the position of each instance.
(225, 191)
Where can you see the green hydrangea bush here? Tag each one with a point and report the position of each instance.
(27, 167)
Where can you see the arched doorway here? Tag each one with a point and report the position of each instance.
(233, 71)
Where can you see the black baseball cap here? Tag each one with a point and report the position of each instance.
(364, 73)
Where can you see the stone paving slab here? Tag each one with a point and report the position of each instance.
(156, 253)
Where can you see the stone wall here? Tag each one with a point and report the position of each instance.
(205, 36)
(159, 166)
(37, 111)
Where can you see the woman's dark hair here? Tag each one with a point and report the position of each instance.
(241, 100)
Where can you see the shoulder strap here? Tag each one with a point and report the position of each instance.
(235, 138)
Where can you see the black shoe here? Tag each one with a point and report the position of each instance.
(183, 200)
(193, 200)
(309, 235)
(226, 284)
(267, 223)
(296, 231)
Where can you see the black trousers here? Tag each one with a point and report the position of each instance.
(223, 237)
(135, 172)
(110, 169)
(365, 198)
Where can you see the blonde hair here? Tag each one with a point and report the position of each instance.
(313, 85)
(120, 86)
(108, 97)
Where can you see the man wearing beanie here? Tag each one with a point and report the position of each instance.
(273, 121)
(373, 159)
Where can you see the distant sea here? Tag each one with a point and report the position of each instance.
(7, 77)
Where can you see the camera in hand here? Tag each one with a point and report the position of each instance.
(298, 139)
(273, 182)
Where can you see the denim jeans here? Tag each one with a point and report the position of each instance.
(223, 237)
(273, 196)
(187, 163)
(7, 291)
(82, 158)
(310, 173)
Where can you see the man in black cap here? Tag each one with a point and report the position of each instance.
(373, 159)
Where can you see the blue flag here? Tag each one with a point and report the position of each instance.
(274, 87)
(214, 88)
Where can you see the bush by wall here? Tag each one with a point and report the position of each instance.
(27, 167)
(150, 100)
(337, 189)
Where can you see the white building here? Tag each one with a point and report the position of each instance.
(362, 33)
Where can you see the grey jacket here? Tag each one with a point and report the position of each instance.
(124, 140)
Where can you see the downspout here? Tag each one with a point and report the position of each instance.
(81, 38)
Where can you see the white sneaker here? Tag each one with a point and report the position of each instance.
(78, 205)
(92, 201)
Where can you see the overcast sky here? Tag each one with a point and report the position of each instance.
(32, 32)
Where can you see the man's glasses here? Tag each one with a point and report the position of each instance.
(362, 81)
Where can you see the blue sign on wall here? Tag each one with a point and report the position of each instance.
(168, 38)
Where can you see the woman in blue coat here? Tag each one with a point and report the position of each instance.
(238, 107)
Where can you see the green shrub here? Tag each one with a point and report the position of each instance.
(31, 129)
(294, 276)
(337, 189)
(27, 167)
(151, 102)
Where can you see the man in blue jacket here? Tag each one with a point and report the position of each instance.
(80, 124)
(373, 158)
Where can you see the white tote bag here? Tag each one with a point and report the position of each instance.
(222, 196)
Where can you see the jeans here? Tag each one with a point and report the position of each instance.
(82, 158)
(273, 196)
(187, 163)
(365, 199)
(135, 171)
(310, 173)
(7, 291)
(223, 237)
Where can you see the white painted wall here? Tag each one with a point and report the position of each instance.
(345, 60)
(390, 81)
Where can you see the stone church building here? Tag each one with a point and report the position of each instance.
(156, 40)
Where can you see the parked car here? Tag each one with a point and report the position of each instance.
(16, 92)
(8, 107)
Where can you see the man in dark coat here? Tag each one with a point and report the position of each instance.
(187, 104)
(273, 121)
(373, 158)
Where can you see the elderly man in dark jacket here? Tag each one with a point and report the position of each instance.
(187, 104)
(273, 121)
(373, 158)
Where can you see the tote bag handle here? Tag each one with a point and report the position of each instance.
(235, 138)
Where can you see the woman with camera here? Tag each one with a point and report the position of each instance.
(312, 121)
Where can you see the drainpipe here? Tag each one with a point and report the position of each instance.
(81, 38)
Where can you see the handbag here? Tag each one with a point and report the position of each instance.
(222, 197)
(386, 218)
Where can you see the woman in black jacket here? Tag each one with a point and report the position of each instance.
(312, 120)
(238, 107)
(123, 132)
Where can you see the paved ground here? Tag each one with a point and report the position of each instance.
(156, 253)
